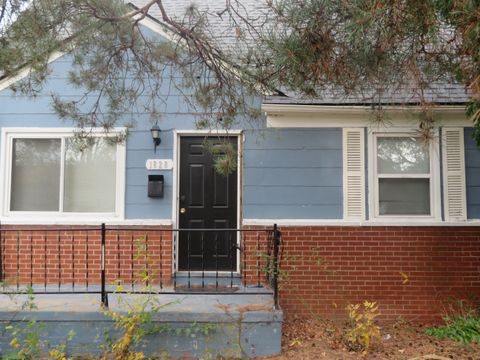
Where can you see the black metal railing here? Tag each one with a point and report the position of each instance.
(104, 259)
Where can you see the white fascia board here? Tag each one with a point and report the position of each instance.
(5, 83)
(323, 116)
(148, 23)
(157, 27)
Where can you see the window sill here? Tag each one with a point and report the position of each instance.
(85, 221)
(406, 219)
(419, 222)
(352, 222)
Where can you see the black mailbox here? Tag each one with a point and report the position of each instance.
(155, 186)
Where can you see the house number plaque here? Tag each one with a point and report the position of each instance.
(159, 164)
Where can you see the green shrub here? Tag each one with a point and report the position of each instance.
(464, 329)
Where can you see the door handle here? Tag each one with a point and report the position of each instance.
(183, 210)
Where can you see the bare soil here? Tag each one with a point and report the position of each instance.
(305, 339)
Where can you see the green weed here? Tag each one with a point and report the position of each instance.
(465, 329)
(462, 321)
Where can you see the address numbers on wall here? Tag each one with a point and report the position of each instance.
(159, 164)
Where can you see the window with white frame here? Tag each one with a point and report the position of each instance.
(47, 171)
(403, 176)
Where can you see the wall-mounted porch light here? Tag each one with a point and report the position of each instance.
(155, 130)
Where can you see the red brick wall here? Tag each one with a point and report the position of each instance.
(137, 253)
(409, 271)
(256, 255)
(73, 256)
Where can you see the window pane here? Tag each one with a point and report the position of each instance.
(404, 155)
(90, 177)
(35, 175)
(404, 196)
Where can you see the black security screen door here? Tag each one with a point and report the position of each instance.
(207, 200)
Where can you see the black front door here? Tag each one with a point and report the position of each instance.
(207, 200)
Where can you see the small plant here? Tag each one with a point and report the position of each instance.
(462, 322)
(465, 329)
(25, 341)
(29, 303)
(270, 270)
(25, 336)
(363, 330)
(135, 321)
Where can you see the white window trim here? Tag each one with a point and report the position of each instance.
(7, 136)
(435, 196)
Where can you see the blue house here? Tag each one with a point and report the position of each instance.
(360, 207)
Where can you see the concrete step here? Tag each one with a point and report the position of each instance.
(196, 325)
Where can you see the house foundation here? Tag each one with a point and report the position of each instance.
(413, 272)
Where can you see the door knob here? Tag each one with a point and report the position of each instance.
(183, 210)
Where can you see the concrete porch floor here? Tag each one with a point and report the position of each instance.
(240, 325)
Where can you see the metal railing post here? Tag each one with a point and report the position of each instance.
(275, 265)
(104, 297)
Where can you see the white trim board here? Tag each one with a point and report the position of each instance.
(5, 83)
(321, 116)
(97, 221)
(246, 222)
(339, 222)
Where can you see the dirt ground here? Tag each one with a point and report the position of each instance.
(320, 339)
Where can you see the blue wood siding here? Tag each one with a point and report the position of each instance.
(472, 175)
(20, 111)
(287, 173)
(293, 174)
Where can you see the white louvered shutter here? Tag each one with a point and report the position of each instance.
(453, 154)
(353, 174)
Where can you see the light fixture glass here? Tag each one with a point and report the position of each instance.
(155, 130)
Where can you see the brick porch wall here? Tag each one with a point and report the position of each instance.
(73, 256)
(409, 271)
